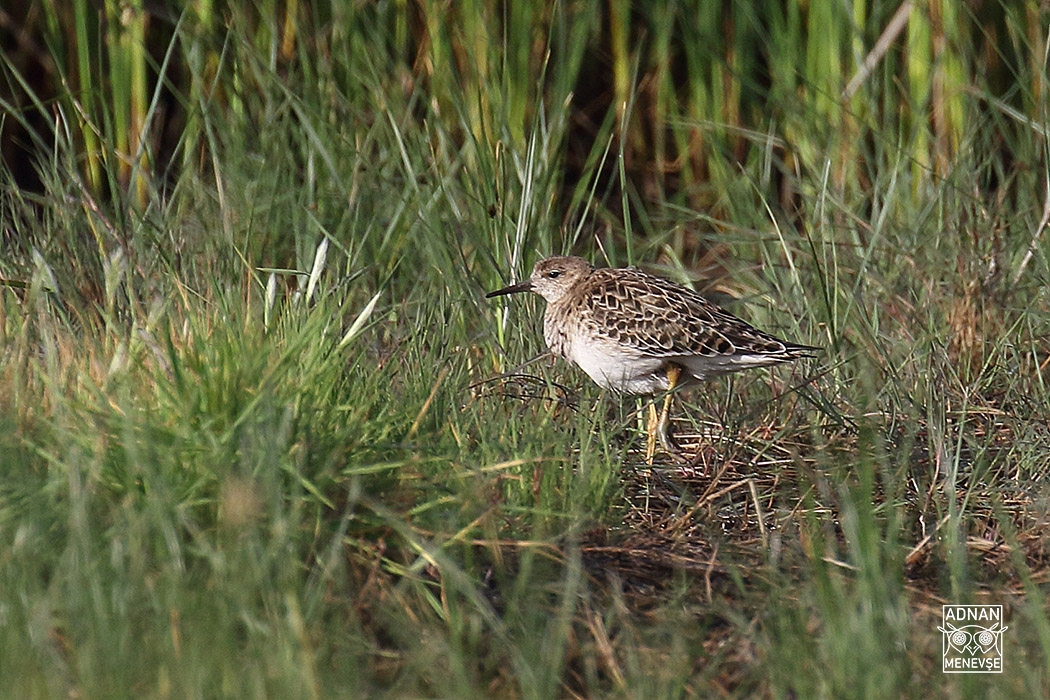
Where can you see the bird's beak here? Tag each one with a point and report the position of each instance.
(525, 286)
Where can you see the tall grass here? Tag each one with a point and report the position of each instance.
(263, 436)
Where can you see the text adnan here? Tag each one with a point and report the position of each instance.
(973, 613)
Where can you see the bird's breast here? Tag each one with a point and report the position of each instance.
(609, 364)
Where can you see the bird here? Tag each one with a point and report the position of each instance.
(635, 333)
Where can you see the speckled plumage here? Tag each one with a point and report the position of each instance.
(624, 327)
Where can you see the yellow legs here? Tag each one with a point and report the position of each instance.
(661, 426)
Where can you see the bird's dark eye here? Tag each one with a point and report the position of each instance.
(553, 274)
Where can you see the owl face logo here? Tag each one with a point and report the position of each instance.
(972, 640)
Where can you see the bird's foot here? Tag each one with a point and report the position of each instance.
(667, 441)
(690, 466)
(696, 466)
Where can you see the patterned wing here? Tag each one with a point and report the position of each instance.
(662, 319)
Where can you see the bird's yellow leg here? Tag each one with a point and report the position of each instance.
(653, 428)
(674, 372)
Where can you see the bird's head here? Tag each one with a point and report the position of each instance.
(551, 278)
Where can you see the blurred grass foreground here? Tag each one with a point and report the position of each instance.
(262, 436)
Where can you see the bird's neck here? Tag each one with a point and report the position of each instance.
(555, 330)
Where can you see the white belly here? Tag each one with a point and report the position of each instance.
(630, 374)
